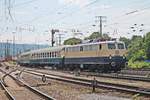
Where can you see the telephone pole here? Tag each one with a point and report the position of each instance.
(100, 19)
(53, 32)
(60, 38)
(13, 54)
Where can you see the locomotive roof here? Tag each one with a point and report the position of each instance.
(101, 42)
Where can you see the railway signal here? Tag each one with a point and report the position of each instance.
(43, 78)
(94, 84)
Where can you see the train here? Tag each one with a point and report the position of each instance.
(104, 56)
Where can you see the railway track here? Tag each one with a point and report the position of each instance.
(87, 82)
(141, 72)
(117, 76)
(12, 95)
(8, 94)
(113, 75)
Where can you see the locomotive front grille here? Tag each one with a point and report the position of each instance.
(116, 52)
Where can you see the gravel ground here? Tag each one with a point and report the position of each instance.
(68, 91)
(112, 80)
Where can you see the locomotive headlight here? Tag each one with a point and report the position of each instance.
(110, 57)
(124, 57)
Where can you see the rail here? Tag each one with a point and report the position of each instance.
(107, 85)
(45, 96)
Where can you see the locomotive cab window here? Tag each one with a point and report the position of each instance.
(111, 46)
(120, 46)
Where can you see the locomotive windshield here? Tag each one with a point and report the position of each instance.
(111, 46)
(120, 46)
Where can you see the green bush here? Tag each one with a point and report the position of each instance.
(138, 64)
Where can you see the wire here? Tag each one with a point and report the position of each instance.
(73, 12)
(24, 3)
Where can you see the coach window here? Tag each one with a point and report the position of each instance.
(33, 56)
(52, 54)
(81, 48)
(55, 54)
(45, 55)
(49, 54)
(42, 55)
(37, 55)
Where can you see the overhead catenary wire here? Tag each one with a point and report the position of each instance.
(58, 20)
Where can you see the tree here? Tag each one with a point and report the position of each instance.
(125, 40)
(135, 46)
(139, 50)
(106, 37)
(72, 41)
(147, 45)
(96, 35)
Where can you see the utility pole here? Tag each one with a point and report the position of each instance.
(101, 20)
(7, 49)
(13, 44)
(53, 32)
(60, 38)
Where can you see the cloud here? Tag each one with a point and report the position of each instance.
(75, 2)
(105, 6)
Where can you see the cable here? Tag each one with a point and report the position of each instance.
(73, 12)
(24, 3)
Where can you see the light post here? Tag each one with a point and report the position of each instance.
(137, 28)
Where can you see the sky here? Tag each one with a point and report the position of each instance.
(31, 21)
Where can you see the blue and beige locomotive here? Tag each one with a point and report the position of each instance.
(100, 56)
